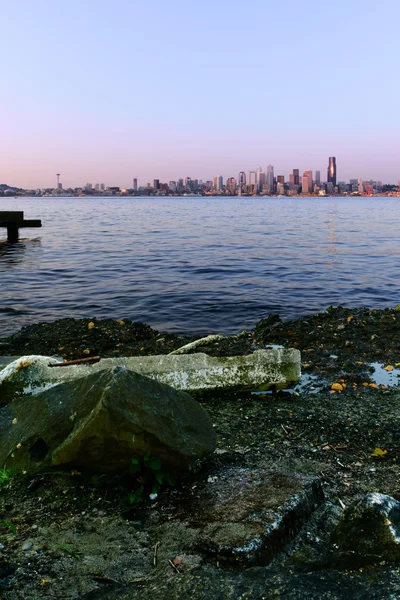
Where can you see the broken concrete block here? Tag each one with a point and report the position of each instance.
(248, 515)
(277, 367)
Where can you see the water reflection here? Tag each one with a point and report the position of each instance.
(13, 253)
(332, 237)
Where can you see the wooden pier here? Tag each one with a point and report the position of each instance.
(14, 221)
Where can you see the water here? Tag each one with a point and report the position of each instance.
(204, 265)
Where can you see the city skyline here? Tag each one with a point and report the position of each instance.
(173, 89)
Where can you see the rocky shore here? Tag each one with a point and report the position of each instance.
(221, 531)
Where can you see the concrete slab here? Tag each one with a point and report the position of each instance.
(246, 516)
(278, 368)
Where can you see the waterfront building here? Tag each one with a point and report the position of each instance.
(102, 187)
(280, 179)
(88, 187)
(135, 184)
(172, 186)
(97, 187)
(296, 176)
(360, 186)
(318, 178)
(332, 171)
(156, 184)
(242, 178)
(291, 179)
(305, 182)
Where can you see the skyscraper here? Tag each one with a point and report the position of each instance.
(332, 171)
(310, 180)
(251, 178)
(296, 176)
(270, 178)
(305, 184)
(318, 178)
(135, 184)
(242, 178)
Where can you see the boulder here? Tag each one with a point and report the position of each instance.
(101, 421)
(369, 530)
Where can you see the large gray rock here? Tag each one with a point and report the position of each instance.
(369, 530)
(100, 422)
(277, 367)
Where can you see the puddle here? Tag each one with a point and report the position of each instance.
(308, 383)
(382, 377)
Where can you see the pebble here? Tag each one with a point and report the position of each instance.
(27, 546)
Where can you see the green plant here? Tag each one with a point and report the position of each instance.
(72, 552)
(6, 476)
(150, 476)
(9, 525)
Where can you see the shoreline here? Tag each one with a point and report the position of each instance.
(328, 435)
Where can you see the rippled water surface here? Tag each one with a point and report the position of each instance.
(198, 264)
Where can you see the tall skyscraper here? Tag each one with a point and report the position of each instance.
(305, 184)
(251, 178)
(310, 180)
(296, 176)
(242, 178)
(270, 178)
(332, 171)
(135, 184)
(318, 178)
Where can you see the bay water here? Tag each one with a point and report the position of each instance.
(198, 264)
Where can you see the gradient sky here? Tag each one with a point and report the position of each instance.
(105, 90)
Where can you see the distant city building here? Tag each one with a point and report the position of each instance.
(360, 186)
(172, 186)
(88, 187)
(135, 184)
(269, 181)
(102, 187)
(219, 183)
(251, 178)
(231, 185)
(332, 171)
(156, 184)
(310, 180)
(242, 178)
(296, 176)
(263, 179)
(305, 183)
(291, 179)
(318, 178)
(280, 179)
(97, 187)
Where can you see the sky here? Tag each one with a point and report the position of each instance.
(104, 91)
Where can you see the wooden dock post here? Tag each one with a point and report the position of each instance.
(14, 221)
